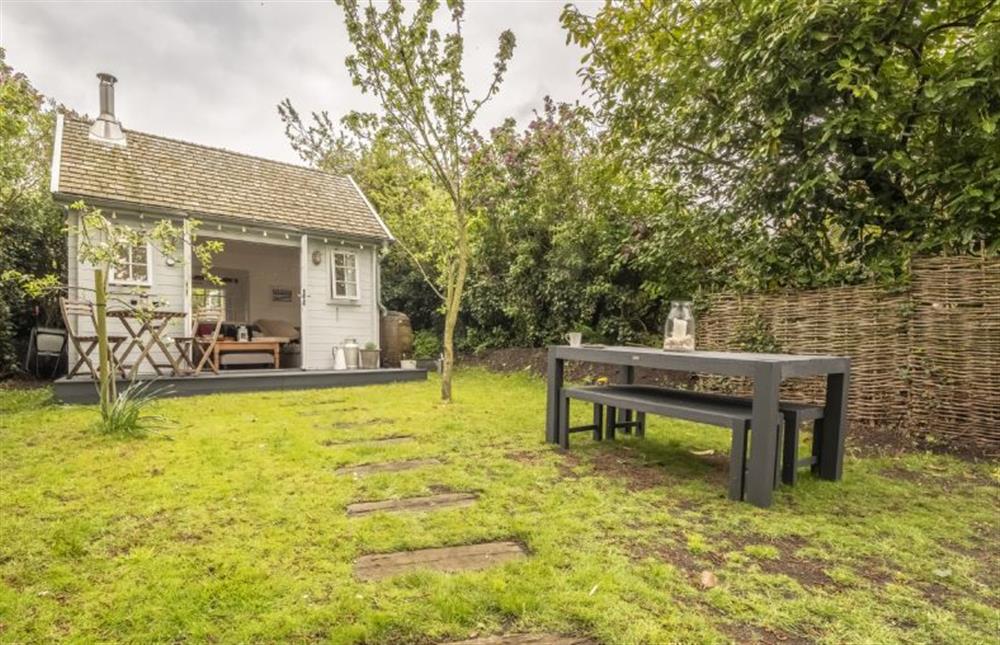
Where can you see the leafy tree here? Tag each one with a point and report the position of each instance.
(832, 137)
(571, 238)
(31, 239)
(427, 108)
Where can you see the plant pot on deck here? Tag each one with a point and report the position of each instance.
(369, 359)
(408, 364)
(431, 364)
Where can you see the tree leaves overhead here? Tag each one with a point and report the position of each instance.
(846, 134)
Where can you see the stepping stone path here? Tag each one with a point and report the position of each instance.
(386, 467)
(525, 639)
(385, 441)
(470, 557)
(428, 503)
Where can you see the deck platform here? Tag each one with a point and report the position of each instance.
(83, 390)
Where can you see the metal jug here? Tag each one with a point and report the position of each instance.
(339, 362)
(352, 353)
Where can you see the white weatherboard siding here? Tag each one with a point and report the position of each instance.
(332, 321)
(167, 284)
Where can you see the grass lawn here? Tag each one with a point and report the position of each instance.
(231, 526)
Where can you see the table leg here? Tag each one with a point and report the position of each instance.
(277, 359)
(763, 436)
(831, 450)
(626, 376)
(158, 340)
(554, 385)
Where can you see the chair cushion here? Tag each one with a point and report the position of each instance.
(275, 327)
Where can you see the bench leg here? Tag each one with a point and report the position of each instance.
(738, 460)
(790, 450)
(640, 430)
(598, 422)
(817, 444)
(609, 426)
(563, 421)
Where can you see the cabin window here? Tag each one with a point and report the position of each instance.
(208, 298)
(133, 265)
(343, 275)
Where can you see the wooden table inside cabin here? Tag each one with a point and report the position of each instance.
(260, 344)
(767, 372)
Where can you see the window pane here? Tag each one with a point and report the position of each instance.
(139, 254)
(352, 290)
(139, 272)
(121, 272)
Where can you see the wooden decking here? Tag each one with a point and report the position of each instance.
(82, 390)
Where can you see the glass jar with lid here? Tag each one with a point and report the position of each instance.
(678, 333)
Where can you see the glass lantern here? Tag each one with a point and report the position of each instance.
(678, 333)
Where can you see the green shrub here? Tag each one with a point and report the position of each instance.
(127, 416)
(426, 344)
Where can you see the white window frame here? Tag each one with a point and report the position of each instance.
(131, 281)
(333, 275)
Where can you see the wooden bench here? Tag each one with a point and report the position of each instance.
(725, 411)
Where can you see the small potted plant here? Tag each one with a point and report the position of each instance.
(406, 362)
(370, 356)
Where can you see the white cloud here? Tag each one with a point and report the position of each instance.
(213, 72)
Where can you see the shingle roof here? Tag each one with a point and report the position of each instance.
(154, 171)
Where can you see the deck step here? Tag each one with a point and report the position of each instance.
(469, 557)
(525, 639)
(413, 504)
(386, 467)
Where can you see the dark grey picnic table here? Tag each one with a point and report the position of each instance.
(767, 372)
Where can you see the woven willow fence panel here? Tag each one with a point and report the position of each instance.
(926, 356)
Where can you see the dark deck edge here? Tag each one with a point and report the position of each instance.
(84, 391)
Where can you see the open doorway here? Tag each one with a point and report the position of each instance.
(259, 290)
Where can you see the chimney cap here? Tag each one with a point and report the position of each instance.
(106, 77)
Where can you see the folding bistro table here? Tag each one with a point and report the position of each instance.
(145, 332)
(767, 372)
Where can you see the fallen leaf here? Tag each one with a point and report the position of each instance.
(708, 580)
(594, 590)
(703, 453)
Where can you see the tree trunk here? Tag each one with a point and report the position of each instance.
(105, 375)
(452, 307)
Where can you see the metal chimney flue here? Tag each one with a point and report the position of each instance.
(107, 91)
(106, 128)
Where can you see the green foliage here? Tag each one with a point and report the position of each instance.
(831, 138)
(31, 239)
(235, 531)
(426, 344)
(128, 415)
(754, 334)
(427, 109)
(570, 238)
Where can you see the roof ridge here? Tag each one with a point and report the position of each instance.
(215, 148)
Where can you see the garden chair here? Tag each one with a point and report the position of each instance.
(200, 345)
(85, 344)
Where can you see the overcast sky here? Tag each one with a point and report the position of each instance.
(213, 72)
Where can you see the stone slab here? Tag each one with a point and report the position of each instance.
(413, 504)
(386, 467)
(468, 557)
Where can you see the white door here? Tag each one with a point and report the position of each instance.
(304, 300)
